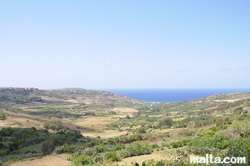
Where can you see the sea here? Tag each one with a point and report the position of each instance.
(171, 95)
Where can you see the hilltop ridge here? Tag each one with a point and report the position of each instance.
(21, 95)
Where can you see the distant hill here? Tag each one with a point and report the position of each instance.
(67, 95)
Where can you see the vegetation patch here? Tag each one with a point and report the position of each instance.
(2, 116)
(136, 149)
(28, 142)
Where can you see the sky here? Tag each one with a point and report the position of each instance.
(125, 44)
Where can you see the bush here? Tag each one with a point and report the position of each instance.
(48, 146)
(242, 128)
(166, 122)
(207, 133)
(153, 162)
(142, 130)
(111, 157)
(178, 144)
(119, 146)
(50, 143)
(242, 117)
(136, 149)
(239, 148)
(248, 103)
(206, 145)
(53, 126)
(82, 160)
(6, 131)
(100, 148)
(65, 149)
(130, 138)
(238, 111)
(4, 152)
(154, 146)
(89, 144)
(200, 150)
(2, 116)
(186, 132)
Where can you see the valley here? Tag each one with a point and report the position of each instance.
(75, 126)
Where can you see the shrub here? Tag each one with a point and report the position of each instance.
(242, 128)
(181, 143)
(239, 148)
(136, 149)
(207, 133)
(65, 149)
(242, 117)
(248, 102)
(200, 150)
(186, 132)
(142, 130)
(100, 148)
(6, 131)
(98, 158)
(130, 138)
(119, 146)
(53, 126)
(206, 145)
(4, 152)
(82, 160)
(51, 142)
(128, 117)
(48, 146)
(112, 156)
(2, 116)
(90, 144)
(154, 146)
(159, 163)
(180, 124)
(89, 151)
(166, 122)
(238, 111)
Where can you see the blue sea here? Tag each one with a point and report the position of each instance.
(171, 95)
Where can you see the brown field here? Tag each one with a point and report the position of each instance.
(105, 134)
(97, 126)
(52, 160)
(94, 123)
(125, 110)
(139, 159)
(19, 122)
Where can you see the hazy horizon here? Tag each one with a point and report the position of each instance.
(125, 44)
(138, 89)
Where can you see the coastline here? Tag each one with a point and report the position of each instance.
(171, 95)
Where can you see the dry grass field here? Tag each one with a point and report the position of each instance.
(52, 160)
(121, 110)
(139, 159)
(97, 126)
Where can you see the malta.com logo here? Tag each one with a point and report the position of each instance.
(210, 159)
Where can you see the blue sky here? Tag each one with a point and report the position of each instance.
(125, 44)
